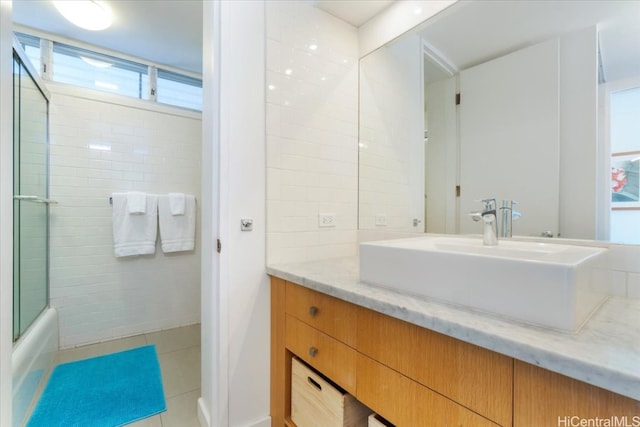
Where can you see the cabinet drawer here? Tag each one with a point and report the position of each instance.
(328, 314)
(406, 403)
(329, 356)
(475, 377)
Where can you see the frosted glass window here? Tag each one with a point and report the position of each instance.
(102, 72)
(625, 128)
(85, 68)
(179, 90)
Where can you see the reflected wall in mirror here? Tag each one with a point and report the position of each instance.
(528, 101)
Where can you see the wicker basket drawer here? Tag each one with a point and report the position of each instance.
(315, 402)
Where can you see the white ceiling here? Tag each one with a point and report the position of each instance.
(167, 32)
(355, 12)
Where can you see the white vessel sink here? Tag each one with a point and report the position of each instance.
(545, 284)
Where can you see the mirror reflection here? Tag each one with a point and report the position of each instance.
(531, 103)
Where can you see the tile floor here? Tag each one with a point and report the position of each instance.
(179, 355)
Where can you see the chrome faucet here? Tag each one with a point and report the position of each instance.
(489, 218)
(507, 215)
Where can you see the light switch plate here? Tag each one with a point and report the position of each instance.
(246, 224)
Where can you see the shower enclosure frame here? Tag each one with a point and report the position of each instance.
(19, 327)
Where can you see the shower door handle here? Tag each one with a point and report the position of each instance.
(36, 199)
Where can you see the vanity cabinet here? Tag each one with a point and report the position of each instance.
(406, 402)
(545, 398)
(413, 376)
(475, 377)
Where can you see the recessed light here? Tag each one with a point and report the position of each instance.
(88, 14)
(313, 47)
(272, 87)
(288, 71)
(417, 11)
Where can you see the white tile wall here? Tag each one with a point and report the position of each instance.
(98, 147)
(312, 133)
(623, 265)
(392, 137)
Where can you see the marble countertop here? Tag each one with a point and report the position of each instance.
(605, 352)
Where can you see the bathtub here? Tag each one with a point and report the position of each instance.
(32, 355)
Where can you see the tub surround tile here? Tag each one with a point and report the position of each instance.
(605, 352)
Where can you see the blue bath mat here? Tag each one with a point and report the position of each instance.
(105, 391)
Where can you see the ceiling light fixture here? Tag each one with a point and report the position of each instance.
(88, 14)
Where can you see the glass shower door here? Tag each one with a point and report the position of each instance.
(31, 203)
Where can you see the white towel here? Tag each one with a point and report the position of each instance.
(134, 234)
(177, 203)
(137, 202)
(177, 232)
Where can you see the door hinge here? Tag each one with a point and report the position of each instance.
(218, 246)
(457, 99)
(457, 191)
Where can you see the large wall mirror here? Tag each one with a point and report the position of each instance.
(532, 101)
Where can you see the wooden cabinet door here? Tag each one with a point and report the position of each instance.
(477, 378)
(544, 398)
(408, 404)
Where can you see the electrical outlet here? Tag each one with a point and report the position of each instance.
(326, 220)
(381, 220)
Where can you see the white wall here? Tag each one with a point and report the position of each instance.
(391, 169)
(102, 144)
(6, 209)
(243, 194)
(235, 310)
(510, 139)
(312, 133)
